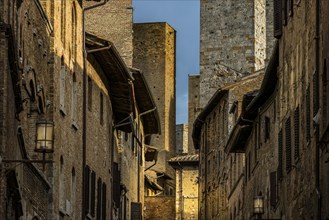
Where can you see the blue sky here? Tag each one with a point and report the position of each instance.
(184, 17)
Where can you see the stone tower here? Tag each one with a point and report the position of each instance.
(236, 40)
(154, 54)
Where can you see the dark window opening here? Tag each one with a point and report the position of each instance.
(296, 131)
(288, 144)
(101, 110)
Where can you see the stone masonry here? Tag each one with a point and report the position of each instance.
(182, 139)
(154, 54)
(114, 22)
(234, 41)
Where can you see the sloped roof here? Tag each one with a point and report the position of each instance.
(185, 160)
(117, 75)
(243, 128)
(145, 103)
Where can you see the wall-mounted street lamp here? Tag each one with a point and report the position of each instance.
(44, 137)
(259, 205)
(44, 143)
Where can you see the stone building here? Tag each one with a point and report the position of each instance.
(113, 21)
(182, 139)
(235, 40)
(220, 173)
(253, 136)
(91, 102)
(154, 54)
(187, 174)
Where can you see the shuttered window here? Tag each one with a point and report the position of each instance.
(87, 188)
(104, 201)
(99, 199)
(267, 128)
(288, 144)
(277, 18)
(280, 155)
(308, 114)
(92, 193)
(116, 185)
(273, 189)
(296, 134)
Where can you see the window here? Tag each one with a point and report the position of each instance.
(280, 155)
(99, 199)
(74, 34)
(273, 189)
(74, 98)
(267, 128)
(62, 86)
(296, 134)
(288, 144)
(61, 184)
(90, 93)
(325, 91)
(90, 191)
(101, 108)
(104, 201)
(73, 189)
(63, 22)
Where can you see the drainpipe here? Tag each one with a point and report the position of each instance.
(317, 96)
(84, 109)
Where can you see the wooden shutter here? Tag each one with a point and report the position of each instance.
(288, 144)
(273, 189)
(92, 194)
(280, 155)
(296, 136)
(116, 185)
(104, 202)
(277, 18)
(99, 199)
(87, 187)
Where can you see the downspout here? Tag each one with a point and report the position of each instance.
(84, 109)
(141, 147)
(317, 96)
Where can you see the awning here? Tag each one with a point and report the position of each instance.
(118, 76)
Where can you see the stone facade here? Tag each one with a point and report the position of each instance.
(182, 139)
(113, 21)
(154, 54)
(187, 172)
(43, 67)
(220, 173)
(234, 41)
